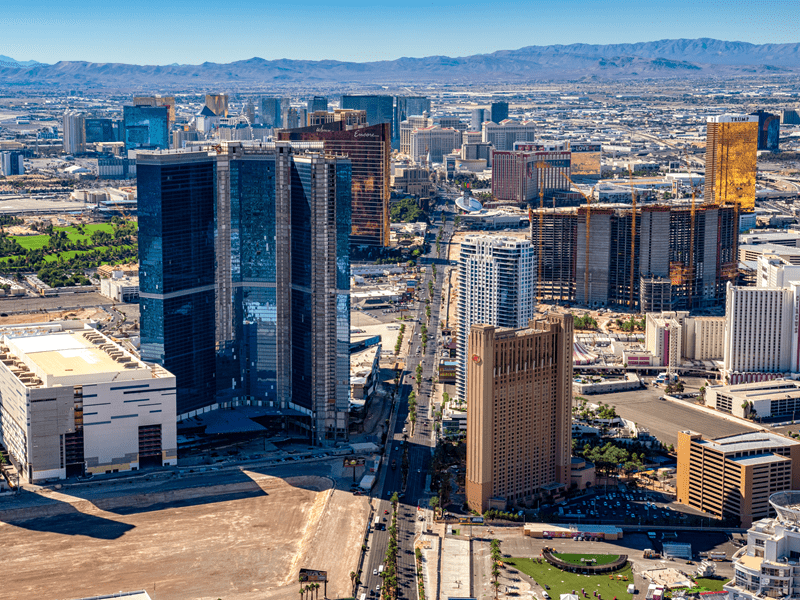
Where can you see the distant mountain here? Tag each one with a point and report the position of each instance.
(10, 62)
(666, 58)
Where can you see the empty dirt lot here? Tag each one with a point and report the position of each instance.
(245, 540)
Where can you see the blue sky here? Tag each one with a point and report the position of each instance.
(194, 31)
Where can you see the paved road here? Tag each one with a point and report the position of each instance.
(419, 445)
(665, 419)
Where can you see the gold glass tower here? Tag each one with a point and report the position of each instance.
(731, 144)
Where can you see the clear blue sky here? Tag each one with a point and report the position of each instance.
(195, 31)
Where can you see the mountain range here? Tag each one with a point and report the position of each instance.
(7, 61)
(660, 59)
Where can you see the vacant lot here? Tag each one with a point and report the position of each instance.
(245, 540)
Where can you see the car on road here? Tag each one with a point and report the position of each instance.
(375, 572)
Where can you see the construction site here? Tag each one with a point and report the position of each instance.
(669, 257)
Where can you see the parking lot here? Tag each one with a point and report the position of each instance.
(665, 419)
(626, 507)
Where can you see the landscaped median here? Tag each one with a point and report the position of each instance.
(557, 581)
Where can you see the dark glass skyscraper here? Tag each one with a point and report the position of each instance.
(146, 127)
(278, 283)
(406, 106)
(379, 109)
(317, 103)
(98, 130)
(176, 272)
(368, 148)
(769, 131)
(272, 110)
(499, 111)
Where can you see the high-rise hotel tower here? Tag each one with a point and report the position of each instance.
(244, 279)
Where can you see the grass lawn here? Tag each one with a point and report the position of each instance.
(32, 242)
(711, 585)
(600, 559)
(562, 582)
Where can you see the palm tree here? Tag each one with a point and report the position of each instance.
(302, 593)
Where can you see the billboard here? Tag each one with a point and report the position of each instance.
(586, 159)
(311, 576)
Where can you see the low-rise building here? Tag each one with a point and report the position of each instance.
(74, 401)
(768, 566)
(764, 399)
(734, 476)
(413, 180)
(120, 288)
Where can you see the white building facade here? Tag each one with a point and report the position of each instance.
(775, 271)
(74, 138)
(73, 401)
(761, 333)
(503, 135)
(433, 142)
(768, 566)
(496, 280)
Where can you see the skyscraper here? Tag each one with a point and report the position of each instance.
(519, 391)
(498, 111)
(271, 112)
(250, 111)
(379, 109)
(407, 106)
(731, 143)
(146, 127)
(166, 101)
(98, 130)
(477, 118)
(245, 277)
(12, 162)
(218, 104)
(369, 148)
(769, 131)
(496, 284)
(74, 132)
(317, 103)
(176, 194)
(502, 135)
(522, 175)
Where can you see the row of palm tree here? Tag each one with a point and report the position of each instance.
(307, 591)
(390, 580)
(496, 556)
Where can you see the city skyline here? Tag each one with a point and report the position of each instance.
(237, 38)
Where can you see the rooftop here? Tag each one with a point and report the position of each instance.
(756, 440)
(54, 354)
(760, 459)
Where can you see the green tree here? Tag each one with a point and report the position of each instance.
(434, 503)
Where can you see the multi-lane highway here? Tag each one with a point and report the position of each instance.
(419, 440)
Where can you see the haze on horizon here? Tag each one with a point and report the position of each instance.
(193, 32)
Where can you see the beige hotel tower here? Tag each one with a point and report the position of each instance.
(519, 390)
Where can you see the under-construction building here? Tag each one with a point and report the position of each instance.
(679, 259)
